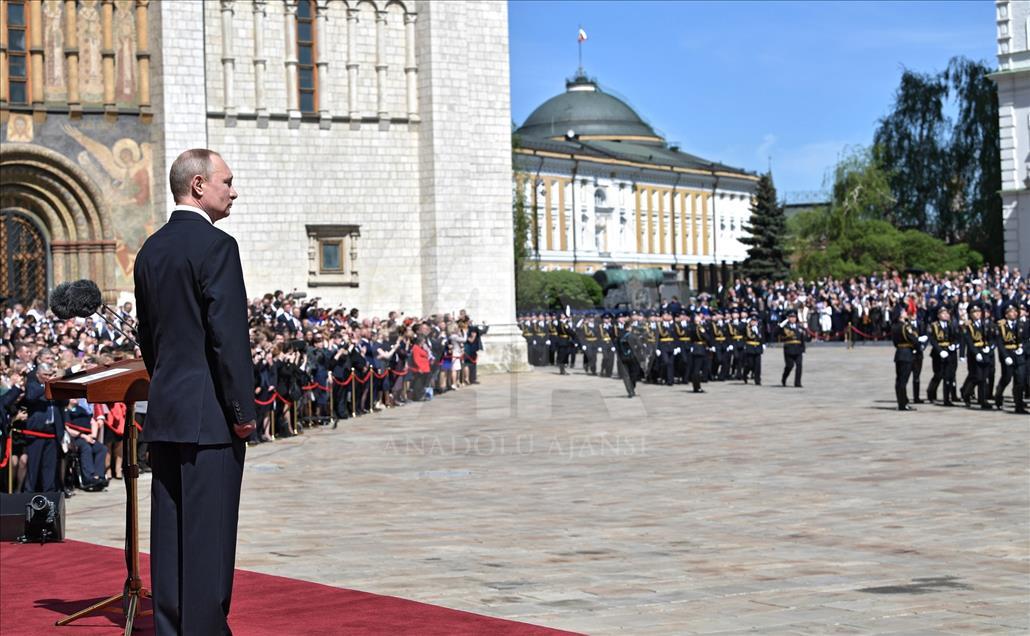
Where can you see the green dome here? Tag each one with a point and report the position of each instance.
(589, 112)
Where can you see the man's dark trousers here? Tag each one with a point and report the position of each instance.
(197, 487)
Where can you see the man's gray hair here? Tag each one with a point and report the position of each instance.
(193, 162)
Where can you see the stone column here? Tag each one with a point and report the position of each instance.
(292, 97)
(352, 67)
(228, 65)
(36, 55)
(259, 63)
(410, 68)
(143, 58)
(3, 56)
(384, 116)
(71, 56)
(322, 48)
(107, 53)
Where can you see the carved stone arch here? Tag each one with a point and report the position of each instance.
(405, 7)
(70, 208)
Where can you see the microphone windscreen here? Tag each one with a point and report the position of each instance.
(84, 298)
(59, 302)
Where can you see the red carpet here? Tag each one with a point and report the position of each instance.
(39, 584)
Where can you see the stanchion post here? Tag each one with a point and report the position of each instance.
(329, 387)
(372, 390)
(353, 381)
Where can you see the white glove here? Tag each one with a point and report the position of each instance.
(547, 342)
(613, 348)
(729, 348)
(712, 349)
(1008, 361)
(676, 351)
(600, 349)
(1019, 351)
(986, 350)
(953, 347)
(658, 352)
(979, 357)
(923, 338)
(763, 347)
(584, 347)
(944, 354)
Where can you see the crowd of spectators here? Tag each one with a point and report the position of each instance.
(866, 307)
(313, 366)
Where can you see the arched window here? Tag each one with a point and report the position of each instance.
(600, 198)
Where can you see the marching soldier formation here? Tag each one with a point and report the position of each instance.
(980, 343)
(670, 347)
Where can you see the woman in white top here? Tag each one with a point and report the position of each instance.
(456, 341)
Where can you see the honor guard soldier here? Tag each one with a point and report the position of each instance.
(590, 342)
(792, 336)
(665, 352)
(721, 337)
(541, 340)
(606, 341)
(628, 347)
(906, 339)
(681, 338)
(552, 339)
(737, 327)
(565, 337)
(919, 324)
(979, 354)
(1009, 343)
(754, 347)
(700, 343)
(943, 355)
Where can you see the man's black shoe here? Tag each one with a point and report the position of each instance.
(905, 408)
(917, 401)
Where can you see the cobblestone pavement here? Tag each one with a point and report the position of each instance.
(558, 501)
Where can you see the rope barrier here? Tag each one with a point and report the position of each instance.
(7, 453)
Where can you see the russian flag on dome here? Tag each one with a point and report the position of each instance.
(582, 35)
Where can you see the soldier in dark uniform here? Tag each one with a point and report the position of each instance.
(979, 353)
(681, 338)
(650, 337)
(628, 347)
(552, 339)
(919, 324)
(792, 335)
(754, 347)
(736, 327)
(943, 355)
(906, 339)
(606, 342)
(700, 343)
(565, 337)
(589, 342)
(1009, 343)
(721, 355)
(665, 356)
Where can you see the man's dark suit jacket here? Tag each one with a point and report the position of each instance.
(192, 309)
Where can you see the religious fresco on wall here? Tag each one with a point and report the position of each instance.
(54, 84)
(91, 75)
(119, 158)
(124, 54)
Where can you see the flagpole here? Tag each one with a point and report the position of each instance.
(579, 43)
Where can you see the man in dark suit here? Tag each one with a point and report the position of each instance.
(192, 312)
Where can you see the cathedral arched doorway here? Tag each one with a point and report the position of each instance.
(55, 225)
(25, 268)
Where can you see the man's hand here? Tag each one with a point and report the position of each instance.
(244, 430)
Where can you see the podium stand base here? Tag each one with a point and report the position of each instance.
(131, 601)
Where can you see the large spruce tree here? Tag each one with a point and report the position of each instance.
(766, 254)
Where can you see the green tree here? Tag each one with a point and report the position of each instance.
(944, 173)
(767, 230)
(850, 237)
(554, 290)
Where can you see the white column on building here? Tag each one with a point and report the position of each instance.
(410, 69)
(260, 108)
(322, 62)
(381, 66)
(228, 65)
(292, 96)
(352, 65)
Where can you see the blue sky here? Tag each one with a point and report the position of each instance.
(738, 82)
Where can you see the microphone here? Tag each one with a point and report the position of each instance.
(82, 299)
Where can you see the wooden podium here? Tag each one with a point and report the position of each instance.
(126, 381)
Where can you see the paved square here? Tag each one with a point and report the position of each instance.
(558, 501)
